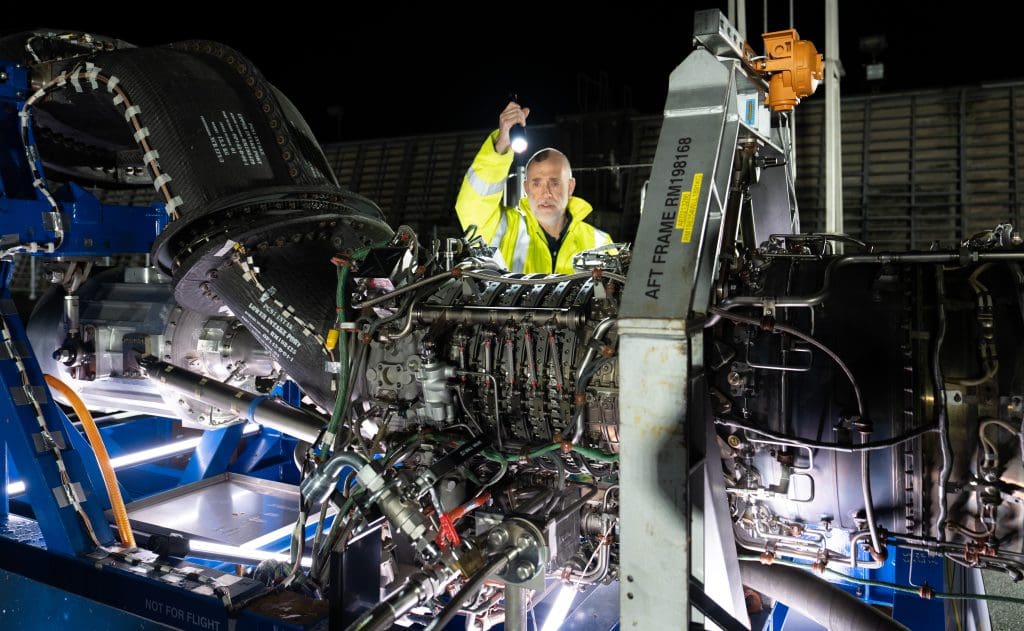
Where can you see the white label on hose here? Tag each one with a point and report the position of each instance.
(112, 83)
(132, 111)
(233, 139)
(74, 81)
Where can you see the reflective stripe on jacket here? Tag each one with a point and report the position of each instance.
(516, 233)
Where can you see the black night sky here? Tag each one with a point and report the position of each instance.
(367, 72)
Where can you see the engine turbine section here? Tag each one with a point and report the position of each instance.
(91, 339)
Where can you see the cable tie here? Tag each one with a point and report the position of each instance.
(161, 180)
(91, 74)
(172, 206)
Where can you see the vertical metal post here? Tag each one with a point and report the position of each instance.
(655, 550)
(515, 608)
(833, 123)
(660, 352)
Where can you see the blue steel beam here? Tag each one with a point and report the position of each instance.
(92, 467)
(212, 454)
(90, 228)
(36, 439)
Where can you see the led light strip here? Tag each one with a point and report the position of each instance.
(209, 547)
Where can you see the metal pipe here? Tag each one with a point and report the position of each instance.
(452, 608)
(405, 289)
(317, 488)
(552, 280)
(515, 608)
(575, 506)
(275, 415)
(939, 397)
(811, 300)
(819, 600)
(567, 318)
(419, 588)
(599, 332)
(537, 502)
(865, 460)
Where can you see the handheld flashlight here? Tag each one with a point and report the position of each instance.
(517, 135)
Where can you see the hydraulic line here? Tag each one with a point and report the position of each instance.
(124, 528)
(865, 459)
(817, 444)
(452, 608)
(939, 385)
(818, 297)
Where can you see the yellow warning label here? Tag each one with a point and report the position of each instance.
(688, 209)
(684, 203)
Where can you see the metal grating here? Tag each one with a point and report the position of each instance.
(919, 168)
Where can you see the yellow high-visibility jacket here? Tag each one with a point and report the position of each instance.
(515, 231)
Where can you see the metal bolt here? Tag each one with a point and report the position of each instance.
(497, 538)
(524, 570)
(734, 378)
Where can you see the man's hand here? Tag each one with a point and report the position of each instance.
(511, 115)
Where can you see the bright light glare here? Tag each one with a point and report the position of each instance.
(154, 453)
(198, 546)
(560, 609)
(519, 144)
(146, 455)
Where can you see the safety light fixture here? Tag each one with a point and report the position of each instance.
(517, 135)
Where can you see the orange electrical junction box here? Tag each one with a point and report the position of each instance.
(795, 68)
